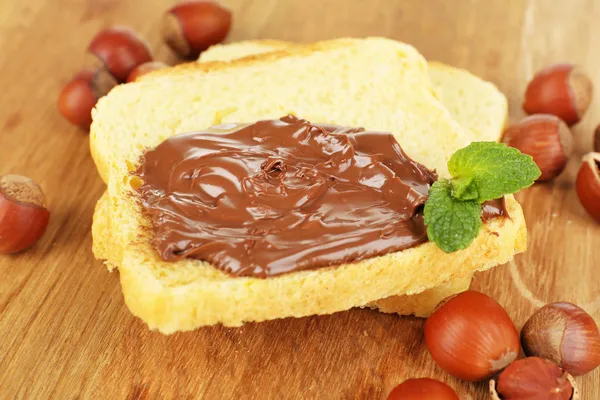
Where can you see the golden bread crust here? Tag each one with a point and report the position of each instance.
(196, 294)
(185, 295)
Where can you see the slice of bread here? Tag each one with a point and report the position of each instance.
(377, 83)
(420, 304)
(188, 294)
(474, 103)
(244, 48)
(344, 82)
(477, 105)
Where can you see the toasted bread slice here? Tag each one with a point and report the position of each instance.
(377, 83)
(474, 103)
(188, 294)
(420, 304)
(477, 105)
(345, 82)
(244, 48)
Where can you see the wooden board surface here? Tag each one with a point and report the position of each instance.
(65, 330)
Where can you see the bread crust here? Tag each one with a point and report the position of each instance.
(182, 296)
(99, 153)
(481, 124)
(187, 300)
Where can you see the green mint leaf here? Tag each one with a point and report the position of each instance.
(451, 223)
(494, 168)
(464, 189)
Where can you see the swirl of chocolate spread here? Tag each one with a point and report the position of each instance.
(284, 195)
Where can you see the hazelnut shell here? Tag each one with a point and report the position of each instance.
(23, 215)
(574, 395)
(564, 334)
(546, 138)
(471, 336)
(191, 27)
(80, 95)
(563, 90)
(422, 388)
(121, 49)
(587, 184)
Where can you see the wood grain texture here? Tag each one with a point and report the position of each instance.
(65, 330)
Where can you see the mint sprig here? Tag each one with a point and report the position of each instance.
(451, 223)
(480, 172)
(491, 170)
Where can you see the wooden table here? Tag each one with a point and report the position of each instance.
(65, 330)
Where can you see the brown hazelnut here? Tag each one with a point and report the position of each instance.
(121, 50)
(422, 389)
(81, 94)
(587, 184)
(471, 336)
(145, 68)
(564, 334)
(563, 90)
(23, 215)
(191, 27)
(544, 137)
(533, 378)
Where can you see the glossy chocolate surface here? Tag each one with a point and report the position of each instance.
(284, 195)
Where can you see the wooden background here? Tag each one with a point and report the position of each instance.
(65, 330)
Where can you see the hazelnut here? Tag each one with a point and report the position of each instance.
(471, 336)
(587, 184)
(81, 94)
(544, 137)
(145, 68)
(422, 389)
(563, 90)
(191, 27)
(23, 215)
(533, 378)
(597, 139)
(121, 50)
(564, 334)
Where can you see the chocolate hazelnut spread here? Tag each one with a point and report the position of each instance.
(493, 209)
(284, 195)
